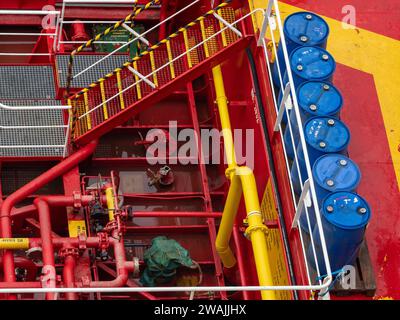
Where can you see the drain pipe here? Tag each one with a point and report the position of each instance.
(242, 181)
(48, 270)
(19, 195)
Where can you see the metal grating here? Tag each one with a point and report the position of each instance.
(32, 133)
(27, 82)
(82, 62)
(31, 117)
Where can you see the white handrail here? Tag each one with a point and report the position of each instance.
(135, 39)
(164, 289)
(21, 108)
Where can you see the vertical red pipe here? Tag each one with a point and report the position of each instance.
(28, 189)
(69, 277)
(47, 243)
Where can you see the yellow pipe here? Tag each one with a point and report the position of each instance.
(242, 181)
(226, 226)
(14, 243)
(222, 103)
(257, 230)
(110, 202)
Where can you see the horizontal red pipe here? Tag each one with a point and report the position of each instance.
(176, 214)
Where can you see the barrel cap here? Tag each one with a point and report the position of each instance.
(346, 210)
(326, 134)
(335, 172)
(312, 63)
(306, 28)
(319, 98)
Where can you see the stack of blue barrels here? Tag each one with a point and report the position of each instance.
(344, 213)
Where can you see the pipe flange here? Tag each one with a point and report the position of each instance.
(136, 267)
(64, 252)
(103, 240)
(251, 229)
(77, 196)
(82, 241)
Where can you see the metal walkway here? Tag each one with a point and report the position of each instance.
(27, 82)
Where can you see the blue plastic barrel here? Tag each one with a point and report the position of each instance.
(344, 217)
(331, 173)
(300, 29)
(323, 135)
(314, 100)
(311, 64)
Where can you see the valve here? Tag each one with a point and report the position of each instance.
(163, 177)
(20, 274)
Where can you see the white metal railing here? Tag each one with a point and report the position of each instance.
(54, 13)
(137, 38)
(29, 123)
(308, 202)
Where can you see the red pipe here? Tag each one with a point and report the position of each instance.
(120, 262)
(69, 276)
(173, 214)
(19, 195)
(47, 243)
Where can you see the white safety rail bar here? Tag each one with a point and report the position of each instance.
(136, 38)
(20, 121)
(91, 3)
(272, 29)
(44, 13)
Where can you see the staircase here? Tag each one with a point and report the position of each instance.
(154, 74)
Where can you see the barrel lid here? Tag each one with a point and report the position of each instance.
(319, 98)
(306, 28)
(312, 63)
(335, 172)
(346, 210)
(326, 134)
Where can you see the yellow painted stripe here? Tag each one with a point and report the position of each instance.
(139, 91)
(86, 102)
(371, 53)
(223, 35)
(103, 98)
(203, 35)
(153, 68)
(121, 96)
(186, 41)
(170, 58)
(14, 243)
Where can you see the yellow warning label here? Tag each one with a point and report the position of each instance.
(274, 244)
(75, 227)
(14, 243)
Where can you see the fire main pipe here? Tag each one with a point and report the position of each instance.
(19, 195)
